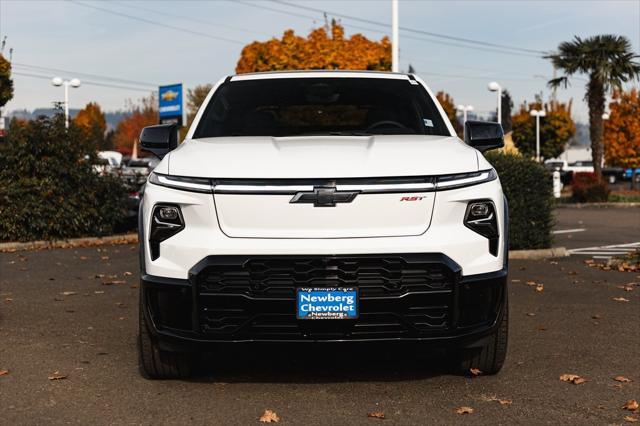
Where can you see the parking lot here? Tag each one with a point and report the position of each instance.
(72, 314)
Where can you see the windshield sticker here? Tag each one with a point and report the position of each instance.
(427, 122)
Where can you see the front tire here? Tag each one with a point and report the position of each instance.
(489, 358)
(155, 363)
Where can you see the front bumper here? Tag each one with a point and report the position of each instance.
(412, 296)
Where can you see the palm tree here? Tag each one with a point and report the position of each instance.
(608, 61)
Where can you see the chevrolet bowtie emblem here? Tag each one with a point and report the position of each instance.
(324, 197)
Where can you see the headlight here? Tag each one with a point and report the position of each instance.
(481, 217)
(166, 221)
(183, 183)
(465, 179)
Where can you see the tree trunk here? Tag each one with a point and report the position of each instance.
(596, 100)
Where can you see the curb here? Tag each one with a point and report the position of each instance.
(596, 205)
(75, 242)
(538, 254)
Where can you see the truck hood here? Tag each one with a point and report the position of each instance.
(322, 157)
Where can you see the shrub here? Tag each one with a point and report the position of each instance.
(587, 188)
(529, 191)
(48, 188)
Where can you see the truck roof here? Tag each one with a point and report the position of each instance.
(320, 74)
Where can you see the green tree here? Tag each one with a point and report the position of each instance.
(556, 128)
(6, 84)
(48, 186)
(92, 121)
(608, 61)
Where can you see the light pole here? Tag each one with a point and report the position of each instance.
(74, 82)
(395, 61)
(495, 87)
(464, 109)
(537, 114)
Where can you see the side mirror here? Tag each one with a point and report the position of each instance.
(159, 139)
(483, 135)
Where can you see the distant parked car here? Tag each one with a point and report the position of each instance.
(628, 173)
(108, 161)
(561, 166)
(136, 170)
(612, 174)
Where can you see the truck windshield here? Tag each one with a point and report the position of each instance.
(320, 106)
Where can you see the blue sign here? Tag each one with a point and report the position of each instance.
(327, 303)
(171, 104)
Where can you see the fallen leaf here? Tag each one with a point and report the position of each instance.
(515, 281)
(68, 293)
(531, 314)
(3, 372)
(626, 287)
(83, 258)
(620, 299)
(8, 300)
(475, 371)
(57, 376)
(505, 401)
(104, 257)
(631, 405)
(622, 379)
(114, 282)
(572, 378)
(630, 419)
(376, 415)
(596, 316)
(531, 283)
(540, 288)
(98, 276)
(127, 273)
(269, 417)
(464, 410)
(541, 328)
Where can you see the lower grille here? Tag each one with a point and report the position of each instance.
(403, 295)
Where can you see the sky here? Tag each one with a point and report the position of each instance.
(133, 46)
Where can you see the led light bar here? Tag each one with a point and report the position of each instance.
(465, 179)
(366, 186)
(184, 183)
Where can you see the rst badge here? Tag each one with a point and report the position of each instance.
(414, 198)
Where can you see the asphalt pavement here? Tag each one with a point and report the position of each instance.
(74, 312)
(599, 232)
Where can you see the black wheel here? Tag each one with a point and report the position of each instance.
(155, 363)
(489, 358)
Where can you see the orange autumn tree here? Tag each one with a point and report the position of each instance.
(449, 107)
(92, 121)
(324, 48)
(141, 115)
(622, 130)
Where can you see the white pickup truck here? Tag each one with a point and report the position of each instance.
(322, 207)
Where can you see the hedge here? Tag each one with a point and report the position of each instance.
(529, 191)
(48, 187)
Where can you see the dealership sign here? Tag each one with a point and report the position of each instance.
(171, 104)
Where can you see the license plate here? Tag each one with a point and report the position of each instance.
(327, 303)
